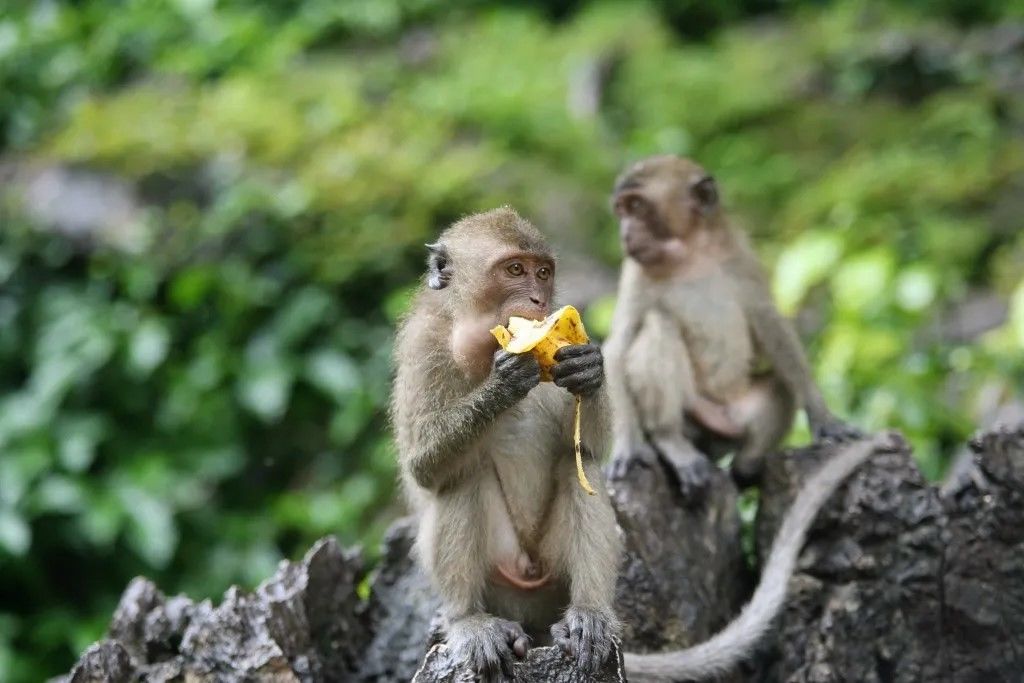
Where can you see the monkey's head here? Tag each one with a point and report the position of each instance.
(492, 266)
(662, 203)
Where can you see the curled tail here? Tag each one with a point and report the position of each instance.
(729, 646)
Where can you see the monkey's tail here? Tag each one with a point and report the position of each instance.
(729, 646)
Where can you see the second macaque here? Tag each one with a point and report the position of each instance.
(698, 350)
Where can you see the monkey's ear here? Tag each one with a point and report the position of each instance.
(705, 191)
(439, 268)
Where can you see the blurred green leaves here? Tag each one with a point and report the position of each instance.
(202, 390)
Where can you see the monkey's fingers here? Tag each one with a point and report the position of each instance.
(560, 637)
(517, 639)
(576, 350)
(584, 361)
(582, 383)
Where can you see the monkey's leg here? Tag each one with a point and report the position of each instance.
(459, 562)
(766, 413)
(662, 382)
(582, 537)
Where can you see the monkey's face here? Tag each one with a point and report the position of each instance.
(518, 283)
(661, 204)
(510, 283)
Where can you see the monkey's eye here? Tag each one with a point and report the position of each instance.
(543, 272)
(515, 269)
(632, 204)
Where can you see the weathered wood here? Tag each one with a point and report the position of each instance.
(896, 583)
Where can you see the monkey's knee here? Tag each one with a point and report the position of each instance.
(766, 412)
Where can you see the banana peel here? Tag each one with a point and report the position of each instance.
(543, 338)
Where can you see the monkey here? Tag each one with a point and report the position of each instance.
(511, 542)
(517, 550)
(698, 352)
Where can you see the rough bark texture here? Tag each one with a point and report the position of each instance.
(897, 583)
(302, 624)
(684, 575)
(542, 665)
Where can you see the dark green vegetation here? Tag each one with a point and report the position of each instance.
(199, 390)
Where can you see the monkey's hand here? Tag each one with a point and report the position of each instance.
(831, 428)
(586, 636)
(514, 374)
(488, 645)
(627, 453)
(579, 368)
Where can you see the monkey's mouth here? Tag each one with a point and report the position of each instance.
(645, 255)
(531, 313)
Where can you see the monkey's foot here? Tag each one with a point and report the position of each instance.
(488, 645)
(693, 471)
(585, 635)
(626, 456)
(836, 431)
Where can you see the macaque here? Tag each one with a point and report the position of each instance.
(518, 551)
(698, 351)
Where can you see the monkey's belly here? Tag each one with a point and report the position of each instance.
(512, 549)
(717, 338)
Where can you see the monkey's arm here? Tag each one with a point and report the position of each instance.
(778, 340)
(438, 440)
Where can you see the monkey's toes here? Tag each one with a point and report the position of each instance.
(625, 458)
(490, 648)
(694, 477)
(585, 636)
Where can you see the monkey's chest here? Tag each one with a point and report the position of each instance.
(714, 329)
(523, 458)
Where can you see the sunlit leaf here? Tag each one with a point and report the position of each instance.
(15, 534)
(148, 345)
(803, 264)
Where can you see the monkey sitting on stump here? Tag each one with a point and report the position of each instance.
(509, 539)
(693, 326)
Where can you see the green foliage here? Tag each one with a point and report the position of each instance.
(201, 390)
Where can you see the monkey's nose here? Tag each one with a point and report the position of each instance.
(536, 301)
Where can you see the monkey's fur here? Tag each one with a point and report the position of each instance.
(512, 543)
(697, 348)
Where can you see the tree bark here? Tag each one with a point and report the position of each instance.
(897, 582)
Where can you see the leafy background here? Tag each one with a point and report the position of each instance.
(212, 211)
